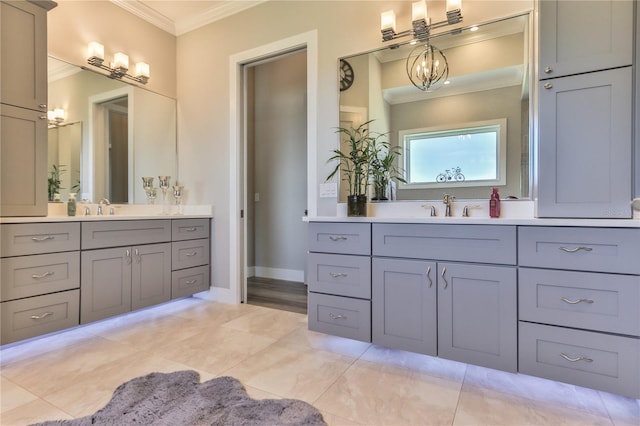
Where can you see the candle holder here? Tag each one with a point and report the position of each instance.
(147, 185)
(163, 183)
(177, 194)
(151, 193)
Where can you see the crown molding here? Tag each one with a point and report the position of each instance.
(215, 13)
(220, 10)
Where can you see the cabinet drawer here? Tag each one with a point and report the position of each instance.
(584, 358)
(25, 318)
(340, 316)
(468, 243)
(348, 238)
(186, 254)
(189, 229)
(18, 239)
(189, 281)
(588, 300)
(341, 275)
(583, 249)
(27, 276)
(124, 233)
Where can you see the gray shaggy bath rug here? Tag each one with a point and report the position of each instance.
(180, 399)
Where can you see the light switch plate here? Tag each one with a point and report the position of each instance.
(328, 190)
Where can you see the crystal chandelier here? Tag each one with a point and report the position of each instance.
(427, 67)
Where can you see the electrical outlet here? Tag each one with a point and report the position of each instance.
(256, 197)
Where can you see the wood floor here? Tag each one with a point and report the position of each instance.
(277, 294)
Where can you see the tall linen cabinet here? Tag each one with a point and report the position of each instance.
(23, 107)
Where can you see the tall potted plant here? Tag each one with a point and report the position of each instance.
(353, 161)
(384, 168)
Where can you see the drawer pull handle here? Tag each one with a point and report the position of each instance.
(580, 358)
(192, 229)
(41, 239)
(46, 274)
(337, 317)
(337, 237)
(429, 276)
(128, 255)
(337, 274)
(575, 302)
(138, 257)
(39, 317)
(574, 250)
(190, 254)
(190, 282)
(446, 283)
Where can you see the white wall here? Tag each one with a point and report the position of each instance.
(280, 153)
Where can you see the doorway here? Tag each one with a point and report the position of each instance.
(276, 186)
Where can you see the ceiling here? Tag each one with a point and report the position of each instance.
(181, 16)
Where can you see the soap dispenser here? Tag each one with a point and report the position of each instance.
(71, 204)
(494, 203)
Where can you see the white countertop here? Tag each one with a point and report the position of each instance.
(518, 212)
(58, 213)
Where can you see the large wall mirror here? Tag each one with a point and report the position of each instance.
(108, 135)
(464, 137)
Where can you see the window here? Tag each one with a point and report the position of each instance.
(466, 154)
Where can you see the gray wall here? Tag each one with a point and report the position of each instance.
(478, 106)
(279, 167)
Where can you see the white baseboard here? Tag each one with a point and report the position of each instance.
(275, 273)
(222, 295)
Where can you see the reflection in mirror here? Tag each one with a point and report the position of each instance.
(65, 141)
(487, 94)
(127, 132)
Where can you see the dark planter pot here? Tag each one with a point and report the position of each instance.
(357, 205)
(380, 193)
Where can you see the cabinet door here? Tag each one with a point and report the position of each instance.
(585, 146)
(477, 315)
(105, 288)
(151, 275)
(23, 58)
(403, 304)
(584, 36)
(23, 161)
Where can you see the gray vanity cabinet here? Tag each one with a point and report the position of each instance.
(190, 256)
(23, 107)
(404, 300)
(39, 279)
(477, 315)
(124, 277)
(579, 292)
(583, 36)
(339, 279)
(428, 297)
(118, 280)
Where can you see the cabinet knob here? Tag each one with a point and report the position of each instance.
(42, 117)
(548, 70)
(548, 86)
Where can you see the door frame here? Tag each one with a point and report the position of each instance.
(237, 158)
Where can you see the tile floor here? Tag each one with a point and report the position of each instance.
(73, 373)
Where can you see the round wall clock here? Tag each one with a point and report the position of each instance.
(346, 75)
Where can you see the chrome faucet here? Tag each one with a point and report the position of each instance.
(432, 207)
(447, 200)
(103, 201)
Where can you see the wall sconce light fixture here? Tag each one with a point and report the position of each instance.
(55, 117)
(420, 21)
(119, 66)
